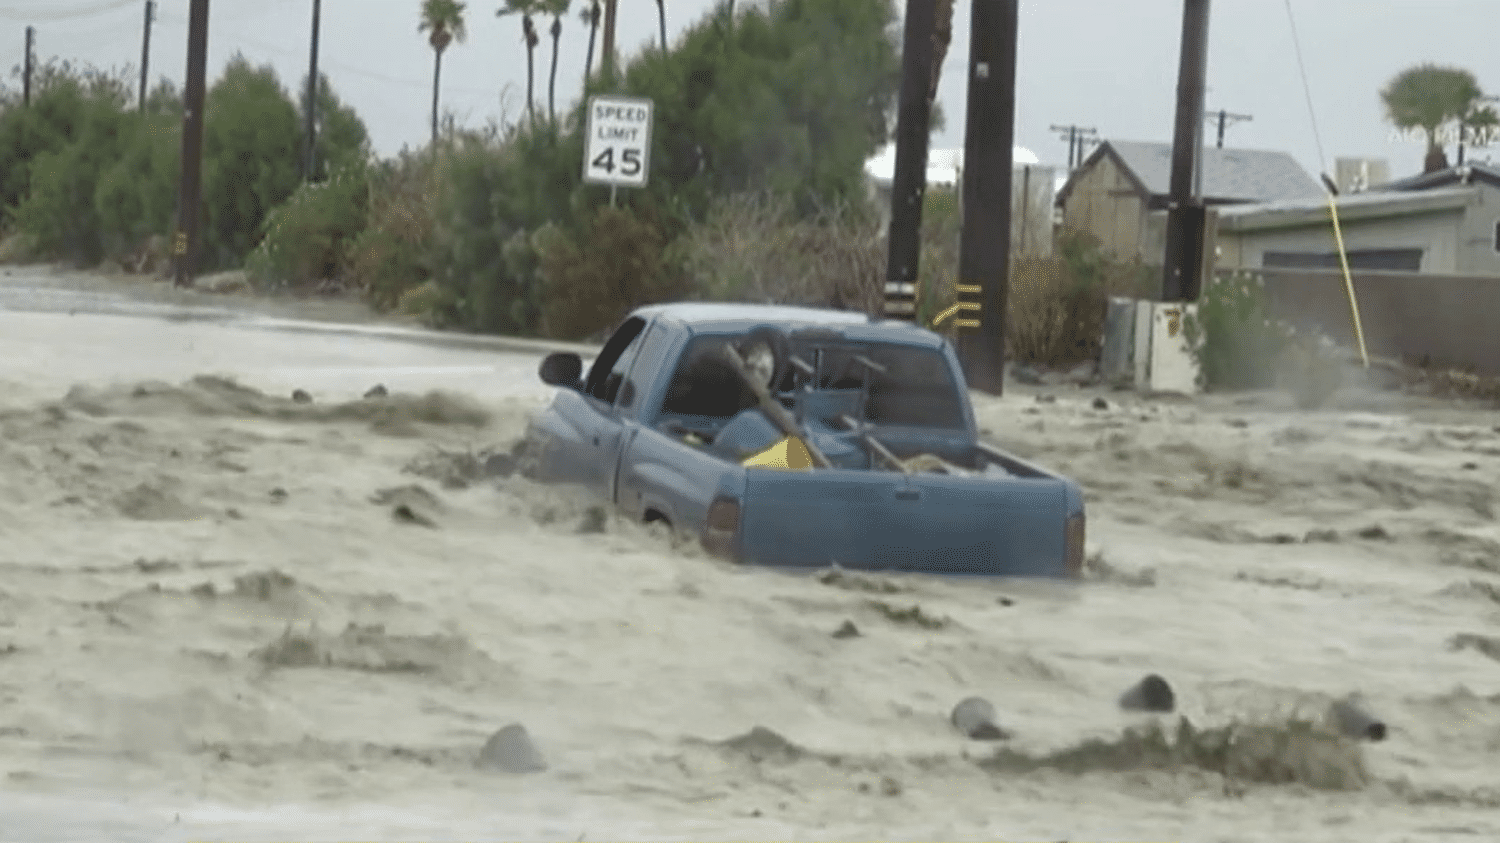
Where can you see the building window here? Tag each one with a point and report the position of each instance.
(1408, 260)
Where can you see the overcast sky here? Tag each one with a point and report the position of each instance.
(1105, 64)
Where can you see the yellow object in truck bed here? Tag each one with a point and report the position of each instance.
(790, 454)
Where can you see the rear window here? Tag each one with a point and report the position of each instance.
(916, 388)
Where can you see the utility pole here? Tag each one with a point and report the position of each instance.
(909, 182)
(185, 243)
(309, 168)
(984, 241)
(1075, 136)
(146, 53)
(1224, 117)
(26, 74)
(1182, 266)
(607, 60)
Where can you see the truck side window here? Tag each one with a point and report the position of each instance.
(648, 357)
(602, 372)
(705, 385)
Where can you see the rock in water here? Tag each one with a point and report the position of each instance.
(511, 750)
(377, 391)
(975, 718)
(301, 397)
(1150, 694)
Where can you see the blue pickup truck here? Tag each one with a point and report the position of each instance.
(801, 438)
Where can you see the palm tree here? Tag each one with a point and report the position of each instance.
(444, 21)
(590, 16)
(525, 8)
(1429, 96)
(1478, 126)
(555, 8)
(661, 16)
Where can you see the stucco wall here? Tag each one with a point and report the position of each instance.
(1448, 320)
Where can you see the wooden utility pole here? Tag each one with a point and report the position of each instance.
(189, 197)
(909, 182)
(1224, 117)
(1076, 138)
(26, 64)
(1182, 267)
(309, 164)
(984, 242)
(146, 53)
(607, 59)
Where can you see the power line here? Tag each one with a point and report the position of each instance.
(70, 14)
(1306, 89)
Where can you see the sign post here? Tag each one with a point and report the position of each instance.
(617, 150)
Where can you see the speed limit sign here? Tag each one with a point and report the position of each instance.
(618, 149)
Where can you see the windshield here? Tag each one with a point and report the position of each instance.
(915, 389)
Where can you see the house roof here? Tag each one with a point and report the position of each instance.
(1461, 174)
(1229, 175)
(1300, 213)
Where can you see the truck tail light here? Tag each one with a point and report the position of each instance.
(722, 529)
(1073, 565)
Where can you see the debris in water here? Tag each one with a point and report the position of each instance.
(975, 719)
(1150, 694)
(512, 750)
(1350, 717)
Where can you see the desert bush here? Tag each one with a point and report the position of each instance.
(393, 255)
(495, 189)
(310, 237)
(616, 263)
(1057, 305)
(754, 247)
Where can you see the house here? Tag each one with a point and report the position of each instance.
(1120, 192)
(1032, 188)
(1442, 223)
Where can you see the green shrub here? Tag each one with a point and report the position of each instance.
(251, 157)
(79, 132)
(310, 237)
(1236, 342)
(136, 197)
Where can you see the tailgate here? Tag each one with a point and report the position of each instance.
(922, 523)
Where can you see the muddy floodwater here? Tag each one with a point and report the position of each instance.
(229, 614)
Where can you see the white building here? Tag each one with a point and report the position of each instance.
(1031, 221)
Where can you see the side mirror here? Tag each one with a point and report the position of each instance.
(562, 368)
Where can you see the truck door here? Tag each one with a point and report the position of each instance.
(599, 424)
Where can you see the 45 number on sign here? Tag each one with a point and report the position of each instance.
(630, 161)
